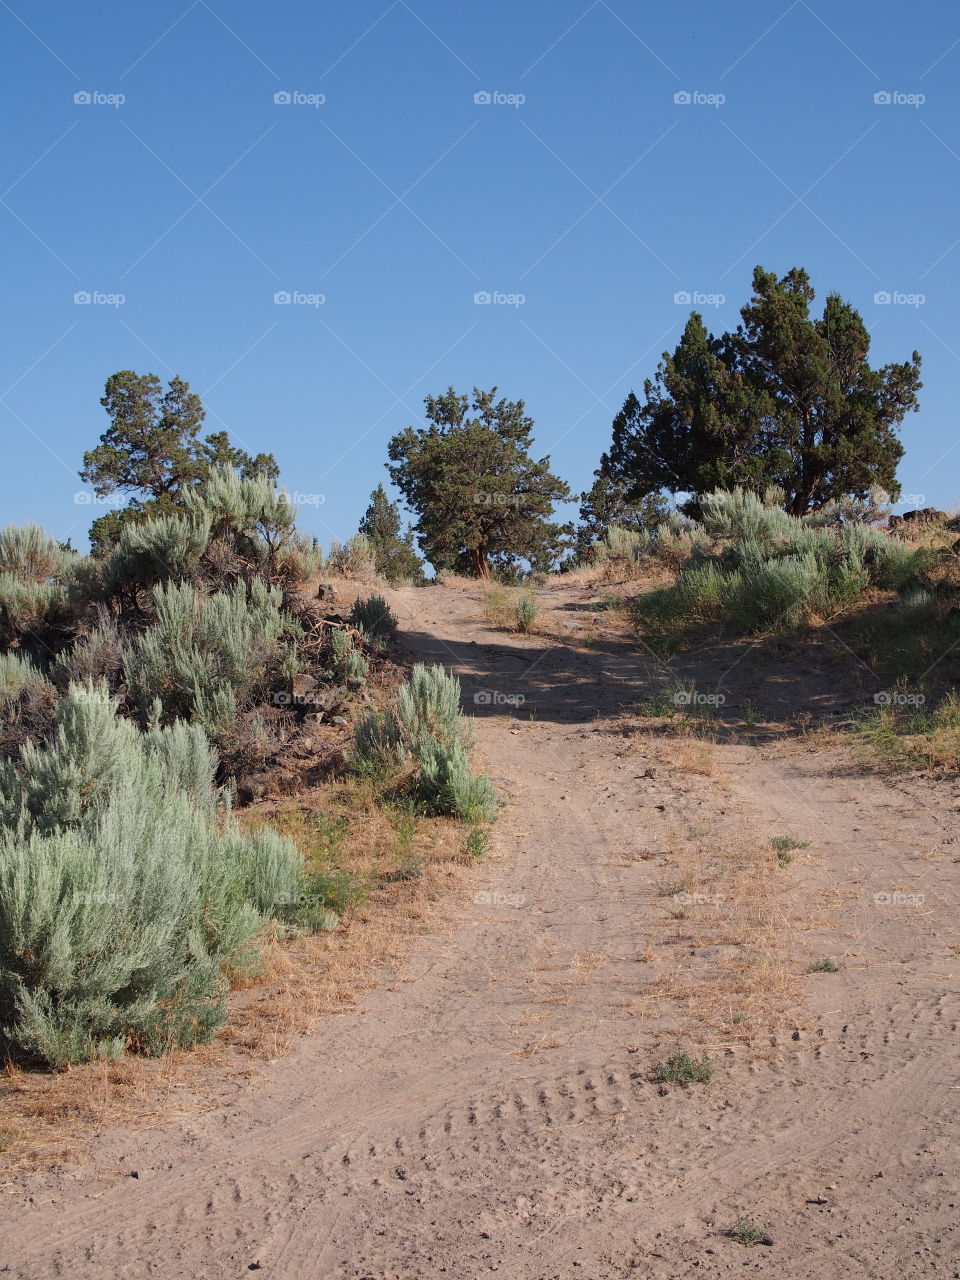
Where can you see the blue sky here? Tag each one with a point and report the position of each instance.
(581, 186)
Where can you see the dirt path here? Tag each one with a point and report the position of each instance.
(495, 1110)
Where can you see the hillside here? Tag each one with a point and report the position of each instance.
(659, 883)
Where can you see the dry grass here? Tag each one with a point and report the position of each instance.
(728, 943)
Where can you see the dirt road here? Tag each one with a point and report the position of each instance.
(496, 1111)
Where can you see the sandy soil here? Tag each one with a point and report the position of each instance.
(496, 1111)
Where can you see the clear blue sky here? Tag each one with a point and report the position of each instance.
(597, 198)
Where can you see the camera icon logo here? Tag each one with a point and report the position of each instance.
(882, 99)
(82, 99)
(682, 298)
(483, 698)
(82, 298)
(483, 298)
(283, 98)
(882, 298)
(282, 298)
(683, 98)
(482, 99)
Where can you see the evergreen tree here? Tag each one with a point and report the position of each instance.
(153, 450)
(835, 418)
(394, 553)
(787, 400)
(478, 495)
(606, 504)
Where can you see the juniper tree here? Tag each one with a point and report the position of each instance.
(394, 553)
(477, 493)
(788, 399)
(153, 450)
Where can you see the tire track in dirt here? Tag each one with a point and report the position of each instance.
(496, 1112)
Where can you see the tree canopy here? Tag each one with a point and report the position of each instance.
(479, 498)
(153, 450)
(787, 399)
(393, 551)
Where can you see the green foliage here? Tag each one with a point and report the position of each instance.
(787, 399)
(375, 619)
(153, 450)
(605, 505)
(393, 552)
(347, 664)
(428, 707)
(771, 571)
(749, 1234)
(825, 965)
(124, 901)
(378, 744)
(428, 728)
(29, 555)
(478, 495)
(205, 657)
(448, 786)
(353, 559)
(476, 844)
(27, 700)
(681, 1068)
(28, 611)
(902, 735)
(526, 610)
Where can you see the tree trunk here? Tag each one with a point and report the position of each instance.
(480, 567)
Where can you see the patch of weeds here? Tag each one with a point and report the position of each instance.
(783, 847)
(328, 832)
(748, 714)
(826, 964)
(404, 822)
(904, 736)
(476, 843)
(749, 1234)
(681, 1068)
(525, 612)
(410, 867)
